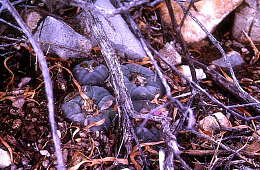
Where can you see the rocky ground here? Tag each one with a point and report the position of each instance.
(223, 134)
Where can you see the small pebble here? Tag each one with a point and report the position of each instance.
(17, 124)
(35, 110)
(45, 153)
(24, 81)
(45, 163)
(244, 51)
(5, 159)
(186, 71)
(234, 58)
(19, 102)
(34, 119)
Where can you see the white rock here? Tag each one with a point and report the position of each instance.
(117, 30)
(5, 159)
(55, 35)
(186, 71)
(212, 122)
(45, 153)
(247, 18)
(222, 119)
(210, 13)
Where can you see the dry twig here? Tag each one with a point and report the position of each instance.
(47, 80)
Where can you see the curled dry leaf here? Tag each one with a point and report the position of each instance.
(213, 122)
(163, 112)
(254, 147)
(135, 153)
(98, 123)
(106, 105)
(75, 132)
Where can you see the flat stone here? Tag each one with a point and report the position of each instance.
(211, 123)
(247, 18)
(59, 38)
(234, 57)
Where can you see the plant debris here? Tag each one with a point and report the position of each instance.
(136, 84)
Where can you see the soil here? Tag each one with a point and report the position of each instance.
(24, 123)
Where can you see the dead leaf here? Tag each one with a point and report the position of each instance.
(75, 132)
(132, 158)
(32, 19)
(171, 53)
(145, 61)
